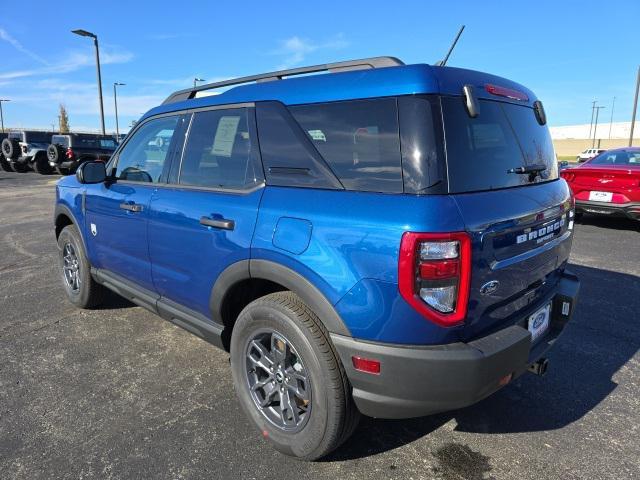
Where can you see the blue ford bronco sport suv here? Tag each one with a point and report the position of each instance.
(381, 239)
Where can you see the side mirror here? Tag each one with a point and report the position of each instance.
(91, 172)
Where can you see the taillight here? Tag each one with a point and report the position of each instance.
(69, 153)
(434, 274)
(568, 176)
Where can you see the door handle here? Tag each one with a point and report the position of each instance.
(221, 223)
(131, 207)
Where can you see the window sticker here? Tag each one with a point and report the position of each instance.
(225, 136)
(317, 135)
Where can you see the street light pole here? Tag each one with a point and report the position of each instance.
(1, 115)
(84, 33)
(196, 80)
(613, 105)
(593, 106)
(115, 101)
(635, 107)
(595, 126)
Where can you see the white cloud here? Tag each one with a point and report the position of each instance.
(4, 35)
(71, 62)
(295, 49)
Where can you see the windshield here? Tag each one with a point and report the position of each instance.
(482, 150)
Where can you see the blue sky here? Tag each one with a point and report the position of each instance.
(568, 52)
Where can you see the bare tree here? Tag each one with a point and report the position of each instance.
(64, 119)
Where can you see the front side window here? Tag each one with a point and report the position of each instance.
(218, 151)
(358, 139)
(144, 156)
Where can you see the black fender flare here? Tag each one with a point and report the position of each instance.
(275, 272)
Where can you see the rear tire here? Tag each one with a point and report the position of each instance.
(81, 289)
(325, 413)
(41, 164)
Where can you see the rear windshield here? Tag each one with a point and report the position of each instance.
(481, 150)
(614, 157)
(61, 140)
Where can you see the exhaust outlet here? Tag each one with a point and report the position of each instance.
(539, 367)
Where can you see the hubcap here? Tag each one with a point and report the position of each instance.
(71, 267)
(278, 381)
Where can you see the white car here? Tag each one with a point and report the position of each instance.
(590, 153)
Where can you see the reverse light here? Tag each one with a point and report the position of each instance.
(434, 273)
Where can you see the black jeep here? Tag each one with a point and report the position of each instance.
(27, 149)
(69, 150)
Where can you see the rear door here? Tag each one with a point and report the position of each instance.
(117, 211)
(520, 223)
(203, 221)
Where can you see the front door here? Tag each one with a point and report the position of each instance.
(117, 211)
(203, 221)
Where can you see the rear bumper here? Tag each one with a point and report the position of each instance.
(422, 380)
(630, 210)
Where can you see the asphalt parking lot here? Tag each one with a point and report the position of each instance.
(119, 393)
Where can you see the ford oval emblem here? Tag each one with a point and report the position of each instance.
(539, 320)
(489, 287)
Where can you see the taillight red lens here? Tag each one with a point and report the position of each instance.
(434, 274)
(69, 153)
(439, 269)
(568, 176)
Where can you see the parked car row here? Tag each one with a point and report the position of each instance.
(45, 153)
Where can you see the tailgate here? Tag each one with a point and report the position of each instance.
(521, 241)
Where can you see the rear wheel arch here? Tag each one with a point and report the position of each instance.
(247, 280)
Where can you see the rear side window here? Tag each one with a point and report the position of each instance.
(481, 150)
(218, 151)
(288, 156)
(358, 139)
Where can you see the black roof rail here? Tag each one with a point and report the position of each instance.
(362, 64)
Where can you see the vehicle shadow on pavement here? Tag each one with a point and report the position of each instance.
(113, 301)
(602, 337)
(614, 223)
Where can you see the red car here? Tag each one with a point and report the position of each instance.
(608, 184)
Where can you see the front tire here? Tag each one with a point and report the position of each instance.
(289, 378)
(81, 289)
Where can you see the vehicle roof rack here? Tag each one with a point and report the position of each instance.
(362, 64)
